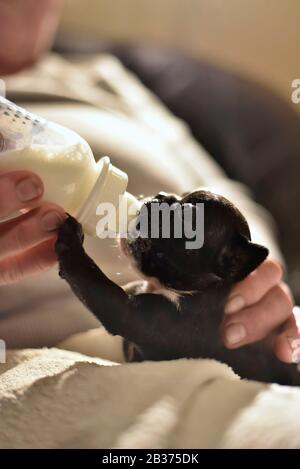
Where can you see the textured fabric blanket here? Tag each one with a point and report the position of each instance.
(53, 398)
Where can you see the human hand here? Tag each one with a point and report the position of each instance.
(26, 242)
(260, 308)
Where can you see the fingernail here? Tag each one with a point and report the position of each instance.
(28, 189)
(51, 221)
(236, 303)
(235, 333)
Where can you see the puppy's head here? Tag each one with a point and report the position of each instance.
(226, 256)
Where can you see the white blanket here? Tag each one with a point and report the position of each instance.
(52, 398)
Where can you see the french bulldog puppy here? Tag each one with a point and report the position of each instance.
(177, 312)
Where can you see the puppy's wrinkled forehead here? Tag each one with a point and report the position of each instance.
(222, 220)
(220, 224)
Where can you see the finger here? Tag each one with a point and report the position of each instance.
(254, 287)
(19, 190)
(35, 260)
(256, 322)
(29, 230)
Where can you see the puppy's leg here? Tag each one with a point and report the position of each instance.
(106, 300)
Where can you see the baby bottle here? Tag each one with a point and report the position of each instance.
(65, 163)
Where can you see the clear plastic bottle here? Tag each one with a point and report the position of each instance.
(65, 163)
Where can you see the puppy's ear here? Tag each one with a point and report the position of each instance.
(240, 258)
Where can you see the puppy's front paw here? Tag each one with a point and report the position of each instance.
(70, 237)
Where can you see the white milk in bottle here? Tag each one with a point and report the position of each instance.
(66, 165)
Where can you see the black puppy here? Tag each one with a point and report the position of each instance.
(182, 318)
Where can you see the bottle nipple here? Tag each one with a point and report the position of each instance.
(108, 203)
